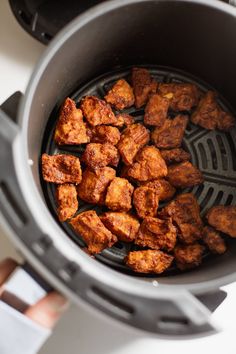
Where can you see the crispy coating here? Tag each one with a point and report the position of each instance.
(67, 201)
(164, 189)
(105, 134)
(149, 261)
(149, 165)
(209, 114)
(143, 86)
(182, 96)
(170, 135)
(213, 240)
(146, 201)
(124, 119)
(121, 95)
(100, 155)
(123, 225)
(94, 185)
(61, 169)
(188, 256)
(184, 175)
(70, 128)
(97, 111)
(119, 194)
(223, 218)
(96, 236)
(175, 155)
(156, 110)
(157, 234)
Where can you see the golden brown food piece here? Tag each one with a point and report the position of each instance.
(223, 218)
(124, 119)
(100, 155)
(149, 261)
(156, 110)
(157, 234)
(61, 169)
(185, 213)
(188, 256)
(184, 175)
(143, 86)
(182, 96)
(170, 135)
(121, 95)
(175, 155)
(149, 165)
(67, 201)
(96, 111)
(96, 236)
(119, 194)
(94, 185)
(70, 128)
(146, 201)
(213, 240)
(210, 115)
(164, 189)
(123, 225)
(105, 134)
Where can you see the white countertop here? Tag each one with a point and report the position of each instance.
(80, 331)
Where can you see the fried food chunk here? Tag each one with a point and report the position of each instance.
(124, 119)
(149, 165)
(188, 256)
(61, 169)
(184, 175)
(100, 155)
(185, 214)
(105, 134)
(175, 155)
(156, 110)
(170, 135)
(223, 218)
(164, 189)
(149, 261)
(157, 234)
(146, 201)
(94, 185)
(123, 225)
(213, 240)
(119, 194)
(96, 236)
(182, 96)
(96, 111)
(121, 95)
(143, 86)
(67, 201)
(210, 115)
(70, 128)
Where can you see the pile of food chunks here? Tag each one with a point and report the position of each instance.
(152, 165)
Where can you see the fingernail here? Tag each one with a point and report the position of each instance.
(57, 302)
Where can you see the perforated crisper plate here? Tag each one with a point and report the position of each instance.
(212, 151)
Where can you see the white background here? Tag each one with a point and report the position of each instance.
(81, 331)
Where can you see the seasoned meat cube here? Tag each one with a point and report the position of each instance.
(185, 213)
(170, 135)
(156, 110)
(94, 185)
(182, 96)
(97, 111)
(96, 236)
(124, 119)
(157, 234)
(123, 225)
(184, 175)
(149, 261)
(210, 116)
(149, 165)
(223, 218)
(105, 134)
(164, 189)
(145, 200)
(138, 133)
(143, 86)
(175, 155)
(61, 169)
(121, 95)
(213, 240)
(119, 194)
(188, 256)
(70, 128)
(100, 155)
(67, 201)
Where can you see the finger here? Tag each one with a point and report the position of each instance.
(48, 310)
(6, 268)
